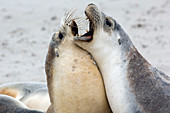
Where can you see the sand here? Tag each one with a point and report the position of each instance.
(26, 28)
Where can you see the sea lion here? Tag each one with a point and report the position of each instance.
(9, 104)
(132, 84)
(74, 82)
(29, 93)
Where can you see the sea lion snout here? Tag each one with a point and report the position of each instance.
(94, 17)
(54, 42)
(90, 4)
(93, 14)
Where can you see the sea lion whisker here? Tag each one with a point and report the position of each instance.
(73, 19)
(70, 16)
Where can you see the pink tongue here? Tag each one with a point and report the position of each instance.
(88, 36)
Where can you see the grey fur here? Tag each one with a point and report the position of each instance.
(150, 90)
(149, 85)
(10, 105)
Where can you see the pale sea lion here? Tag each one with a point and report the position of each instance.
(9, 104)
(74, 82)
(29, 93)
(132, 84)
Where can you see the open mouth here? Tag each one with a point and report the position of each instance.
(88, 36)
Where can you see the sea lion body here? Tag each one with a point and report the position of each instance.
(132, 84)
(9, 104)
(29, 93)
(74, 82)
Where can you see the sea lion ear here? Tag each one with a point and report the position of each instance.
(119, 41)
(56, 52)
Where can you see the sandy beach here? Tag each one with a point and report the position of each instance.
(26, 28)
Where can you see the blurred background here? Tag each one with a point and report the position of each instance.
(26, 28)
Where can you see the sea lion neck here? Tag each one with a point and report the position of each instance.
(69, 47)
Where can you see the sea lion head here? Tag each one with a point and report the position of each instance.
(67, 30)
(61, 41)
(103, 31)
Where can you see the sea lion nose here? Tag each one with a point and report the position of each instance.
(90, 7)
(91, 4)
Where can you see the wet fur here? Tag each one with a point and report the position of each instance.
(11, 105)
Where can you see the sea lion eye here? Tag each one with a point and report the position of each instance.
(108, 23)
(60, 35)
